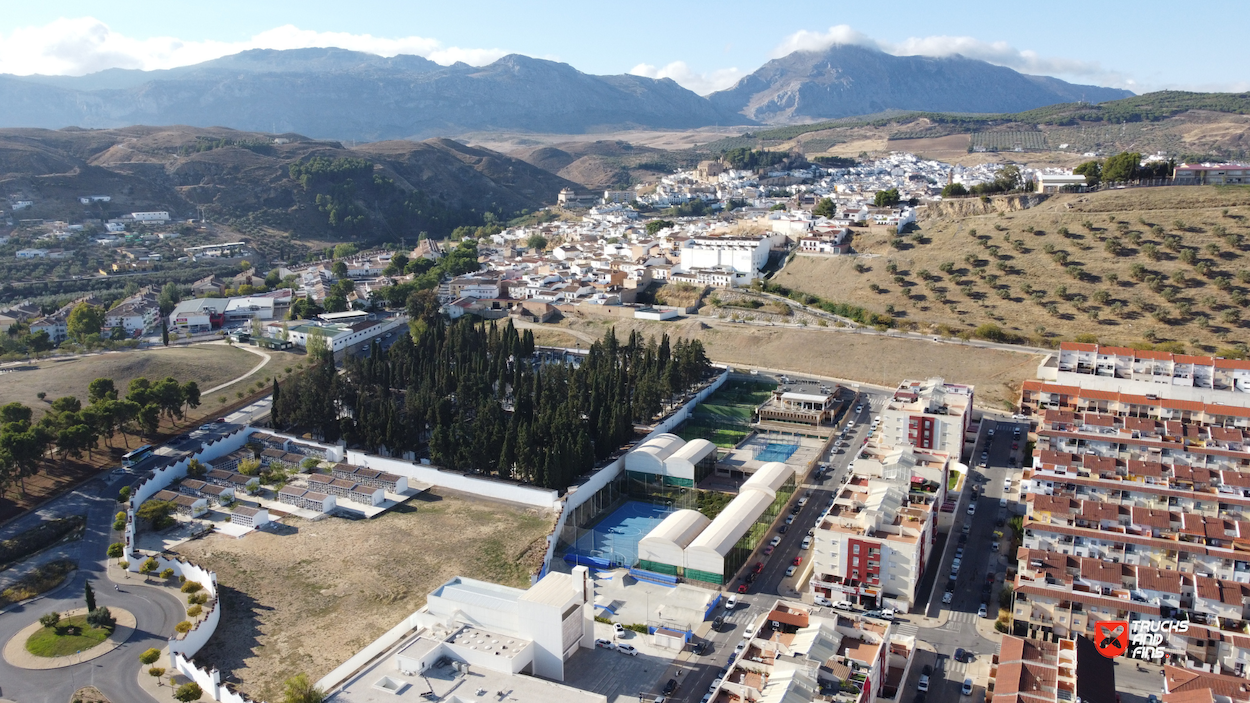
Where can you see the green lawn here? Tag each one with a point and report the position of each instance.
(53, 642)
(721, 438)
(734, 412)
(952, 481)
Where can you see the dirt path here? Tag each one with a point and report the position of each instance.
(264, 360)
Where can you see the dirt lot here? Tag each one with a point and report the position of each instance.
(869, 359)
(1020, 254)
(307, 599)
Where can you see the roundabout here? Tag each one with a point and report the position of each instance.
(17, 651)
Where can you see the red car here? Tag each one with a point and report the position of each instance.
(759, 566)
(742, 588)
(797, 561)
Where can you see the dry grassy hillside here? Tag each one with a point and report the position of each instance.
(1126, 267)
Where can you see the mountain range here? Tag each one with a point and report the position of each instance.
(339, 94)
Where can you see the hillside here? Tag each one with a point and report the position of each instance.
(847, 80)
(602, 164)
(372, 191)
(1198, 126)
(1126, 266)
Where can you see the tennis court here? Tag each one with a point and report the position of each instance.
(615, 537)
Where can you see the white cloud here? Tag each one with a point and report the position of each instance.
(701, 83)
(82, 45)
(1000, 53)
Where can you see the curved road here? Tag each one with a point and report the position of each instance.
(156, 612)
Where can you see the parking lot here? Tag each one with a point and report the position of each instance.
(619, 677)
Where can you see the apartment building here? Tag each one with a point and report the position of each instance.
(928, 415)
(1036, 396)
(1206, 379)
(1211, 174)
(872, 545)
(1043, 671)
(803, 653)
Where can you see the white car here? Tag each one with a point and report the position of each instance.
(844, 605)
(776, 540)
(924, 683)
(948, 597)
(618, 629)
(627, 649)
(822, 601)
(789, 519)
(790, 570)
(972, 508)
(1007, 484)
(807, 543)
(982, 611)
(604, 644)
(994, 545)
(732, 602)
(1002, 502)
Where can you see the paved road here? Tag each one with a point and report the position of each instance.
(699, 673)
(979, 565)
(116, 673)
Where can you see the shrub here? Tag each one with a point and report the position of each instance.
(197, 598)
(167, 574)
(195, 610)
(149, 566)
(191, 586)
(188, 692)
(101, 617)
(150, 656)
(183, 627)
(50, 619)
(156, 672)
(116, 550)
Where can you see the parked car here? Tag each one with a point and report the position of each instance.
(972, 508)
(670, 686)
(627, 649)
(960, 654)
(983, 611)
(844, 605)
(807, 543)
(822, 601)
(732, 602)
(786, 527)
(768, 550)
(742, 588)
(923, 685)
(759, 566)
(798, 561)
(604, 644)
(994, 545)
(967, 689)
(776, 540)
(947, 597)
(717, 623)
(790, 570)
(959, 552)
(789, 519)
(618, 629)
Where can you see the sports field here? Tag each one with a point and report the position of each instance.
(719, 435)
(724, 418)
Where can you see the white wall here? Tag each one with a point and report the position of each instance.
(545, 498)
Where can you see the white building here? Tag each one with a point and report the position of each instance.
(338, 337)
(1203, 379)
(156, 216)
(32, 253)
(929, 414)
(745, 256)
(88, 199)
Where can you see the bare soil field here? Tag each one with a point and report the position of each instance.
(206, 365)
(1134, 266)
(826, 352)
(306, 599)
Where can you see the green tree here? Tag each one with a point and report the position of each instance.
(886, 198)
(1121, 167)
(50, 619)
(342, 251)
(101, 389)
(89, 595)
(536, 241)
(84, 321)
(954, 190)
(156, 512)
(654, 226)
(339, 269)
(1092, 170)
(116, 550)
(298, 689)
(824, 208)
(150, 656)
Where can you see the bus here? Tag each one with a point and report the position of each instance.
(134, 457)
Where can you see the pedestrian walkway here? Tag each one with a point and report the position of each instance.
(906, 630)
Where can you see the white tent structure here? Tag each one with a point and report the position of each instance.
(649, 457)
(770, 477)
(705, 557)
(664, 548)
(681, 464)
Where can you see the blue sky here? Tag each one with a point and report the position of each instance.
(1143, 45)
